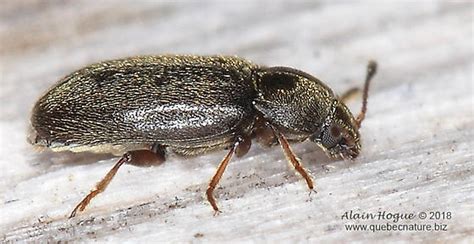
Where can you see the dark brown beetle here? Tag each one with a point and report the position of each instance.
(142, 107)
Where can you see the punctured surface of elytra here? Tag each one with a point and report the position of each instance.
(144, 107)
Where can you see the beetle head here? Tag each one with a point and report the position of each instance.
(339, 134)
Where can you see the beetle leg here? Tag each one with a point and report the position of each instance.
(138, 158)
(243, 146)
(264, 134)
(217, 176)
(101, 185)
(349, 94)
(290, 155)
(146, 158)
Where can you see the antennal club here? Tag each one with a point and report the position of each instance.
(371, 70)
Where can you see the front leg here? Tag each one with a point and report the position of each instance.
(290, 155)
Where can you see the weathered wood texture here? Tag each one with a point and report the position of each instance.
(417, 138)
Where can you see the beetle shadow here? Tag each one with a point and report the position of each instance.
(49, 159)
(310, 155)
(54, 160)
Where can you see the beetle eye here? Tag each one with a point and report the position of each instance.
(335, 132)
(331, 136)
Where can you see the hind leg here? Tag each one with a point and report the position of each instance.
(147, 158)
(154, 156)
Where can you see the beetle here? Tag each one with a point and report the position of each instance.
(142, 108)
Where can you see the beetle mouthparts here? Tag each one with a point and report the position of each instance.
(32, 136)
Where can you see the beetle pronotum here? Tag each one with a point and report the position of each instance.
(143, 107)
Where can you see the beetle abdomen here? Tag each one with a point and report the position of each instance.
(166, 99)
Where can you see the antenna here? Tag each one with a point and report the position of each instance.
(371, 70)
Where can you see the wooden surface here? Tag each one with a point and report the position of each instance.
(417, 138)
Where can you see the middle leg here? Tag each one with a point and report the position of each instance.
(240, 147)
